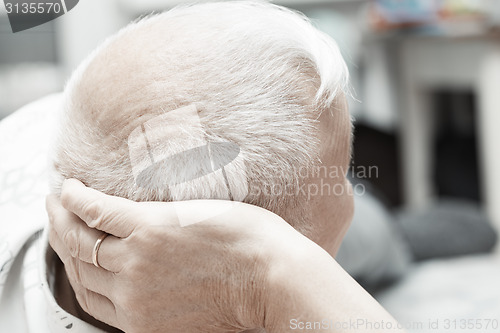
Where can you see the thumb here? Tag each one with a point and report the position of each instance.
(98, 210)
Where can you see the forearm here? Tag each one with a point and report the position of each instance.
(311, 292)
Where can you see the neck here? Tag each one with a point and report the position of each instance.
(65, 297)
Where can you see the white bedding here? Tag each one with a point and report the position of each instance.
(25, 138)
(448, 295)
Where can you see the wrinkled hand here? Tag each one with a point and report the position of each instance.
(159, 276)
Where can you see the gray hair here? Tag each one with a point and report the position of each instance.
(259, 75)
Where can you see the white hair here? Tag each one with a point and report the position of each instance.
(259, 74)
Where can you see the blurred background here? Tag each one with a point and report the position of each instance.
(425, 77)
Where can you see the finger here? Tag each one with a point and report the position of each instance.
(89, 276)
(98, 210)
(61, 251)
(79, 239)
(96, 305)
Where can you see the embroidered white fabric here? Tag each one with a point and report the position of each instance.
(26, 301)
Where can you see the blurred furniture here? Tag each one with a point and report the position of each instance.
(427, 63)
(28, 64)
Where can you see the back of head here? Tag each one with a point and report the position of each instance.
(258, 76)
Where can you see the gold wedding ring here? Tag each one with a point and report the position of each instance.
(95, 251)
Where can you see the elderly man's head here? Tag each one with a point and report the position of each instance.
(253, 75)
